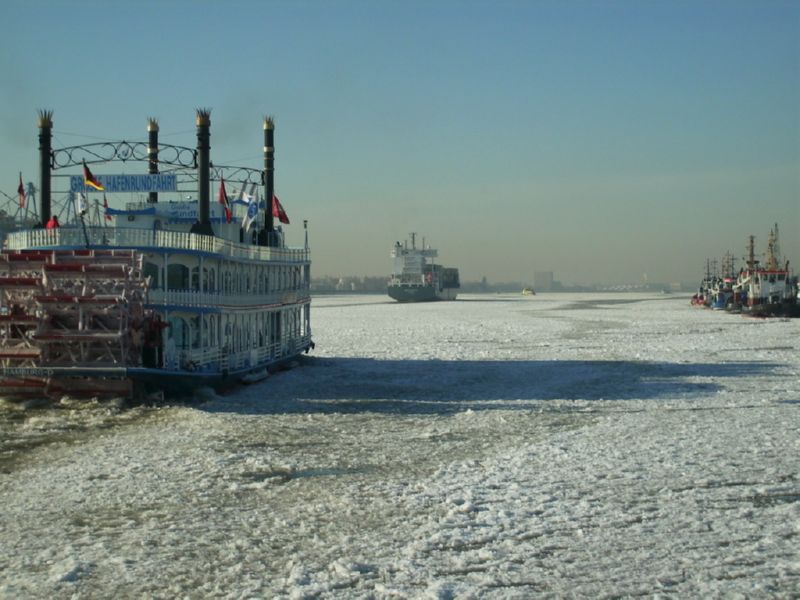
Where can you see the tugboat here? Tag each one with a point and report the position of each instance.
(721, 292)
(703, 296)
(165, 296)
(415, 279)
(770, 290)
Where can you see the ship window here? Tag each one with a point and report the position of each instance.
(195, 331)
(151, 270)
(177, 277)
(179, 331)
(196, 278)
(209, 280)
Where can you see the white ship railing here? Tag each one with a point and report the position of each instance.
(195, 298)
(191, 359)
(124, 237)
(407, 279)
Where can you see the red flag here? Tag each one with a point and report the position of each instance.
(21, 192)
(277, 210)
(105, 206)
(223, 199)
(91, 180)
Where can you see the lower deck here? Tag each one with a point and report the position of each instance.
(83, 320)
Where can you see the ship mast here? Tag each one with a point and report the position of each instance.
(751, 253)
(728, 265)
(773, 250)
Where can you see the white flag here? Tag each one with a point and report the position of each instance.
(252, 212)
(80, 204)
(244, 196)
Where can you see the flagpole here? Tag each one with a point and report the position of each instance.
(83, 224)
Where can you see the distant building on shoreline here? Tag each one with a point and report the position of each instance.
(543, 281)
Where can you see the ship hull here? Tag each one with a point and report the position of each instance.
(775, 309)
(83, 322)
(420, 293)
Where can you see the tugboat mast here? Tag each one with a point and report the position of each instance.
(751, 253)
(773, 250)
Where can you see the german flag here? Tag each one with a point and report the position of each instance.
(91, 180)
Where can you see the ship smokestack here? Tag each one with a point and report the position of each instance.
(45, 123)
(266, 237)
(152, 154)
(203, 172)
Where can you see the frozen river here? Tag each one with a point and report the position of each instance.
(492, 447)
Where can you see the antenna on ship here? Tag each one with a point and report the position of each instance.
(413, 240)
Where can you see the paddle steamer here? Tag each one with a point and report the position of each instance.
(164, 295)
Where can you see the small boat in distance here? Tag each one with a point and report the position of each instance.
(415, 279)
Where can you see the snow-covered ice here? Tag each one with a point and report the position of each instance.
(493, 447)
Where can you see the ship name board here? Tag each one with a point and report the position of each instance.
(26, 372)
(156, 182)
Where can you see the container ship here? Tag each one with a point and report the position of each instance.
(416, 278)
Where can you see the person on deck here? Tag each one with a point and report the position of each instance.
(153, 352)
(52, 223)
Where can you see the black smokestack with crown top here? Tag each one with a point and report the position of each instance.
(45, 123)
(267, 238)
(203, 172)
(152, 154)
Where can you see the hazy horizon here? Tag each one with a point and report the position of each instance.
(599, 141)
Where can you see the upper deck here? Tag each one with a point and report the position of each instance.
(158, 240)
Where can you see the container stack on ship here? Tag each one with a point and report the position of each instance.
(165, 295)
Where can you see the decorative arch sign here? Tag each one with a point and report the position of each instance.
(128, 183)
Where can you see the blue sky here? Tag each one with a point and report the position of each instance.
(599, 140)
